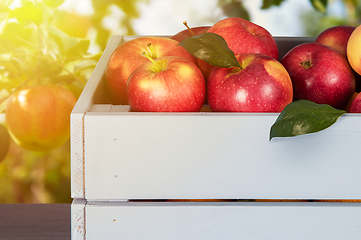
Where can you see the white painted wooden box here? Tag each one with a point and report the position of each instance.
(213, 165)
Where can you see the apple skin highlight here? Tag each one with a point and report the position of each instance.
(262, 84)
(128, 56)
(320, 74)
(168, 84)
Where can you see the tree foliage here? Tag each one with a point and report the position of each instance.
(314, 21)
(40, 43)
(128, 7)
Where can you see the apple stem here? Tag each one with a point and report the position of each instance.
(152, 55)
(152, 60)
(185, 24)
(306, 64)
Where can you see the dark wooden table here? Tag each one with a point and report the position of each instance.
(35, 221)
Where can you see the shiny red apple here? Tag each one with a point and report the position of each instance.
(242, 36)
(168, 84)
(320, 74)
(128, 56)
(261, 84)
(189, 32)
(336, 37)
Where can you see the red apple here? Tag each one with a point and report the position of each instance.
(189, 32)
(261, 84)
(347, 108)
(320, 74)
(38, 116)
(128, 56)
(356, 104)
(336, 37)
(242, 37)
(168, 84)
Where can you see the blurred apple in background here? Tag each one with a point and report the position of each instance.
(128, 56)
(320, 74)
(38, 116)
(242, 37)
(261, 84)
(168, 84)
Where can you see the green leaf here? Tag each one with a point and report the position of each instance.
(319, 5)
(128, 7)
(85, 64)
(269, 3)
(6, 46)
(9, 65)
(27, 14)
(95, 56)
(211, 48)
(64, 42)
(4, 5)
(234, 8)
(80, 48)
(303, 117)
(15, 34)
(53, 3)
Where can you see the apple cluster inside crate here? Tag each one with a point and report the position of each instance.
(204, 174)
(102, 103)
(232, 66)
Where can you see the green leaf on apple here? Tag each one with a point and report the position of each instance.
(304, 117)
(211, 48)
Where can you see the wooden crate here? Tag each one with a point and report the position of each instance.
(125, 163)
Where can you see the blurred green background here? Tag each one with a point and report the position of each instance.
(81, 30)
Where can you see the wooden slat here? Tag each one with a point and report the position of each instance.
(78, 219)
(219, 221)
(83, 105)
(217, 156)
